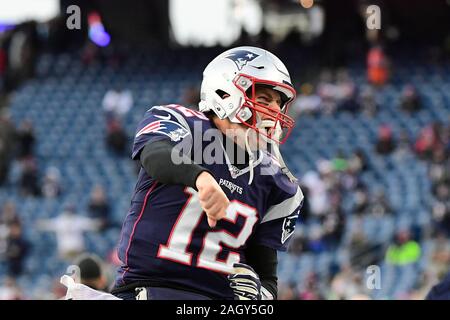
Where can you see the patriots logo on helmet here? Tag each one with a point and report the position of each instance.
(242, 57)
(288, 227)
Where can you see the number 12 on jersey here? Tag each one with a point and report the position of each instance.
(176, 248)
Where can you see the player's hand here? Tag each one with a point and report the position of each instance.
(245, 282)
(212, 198)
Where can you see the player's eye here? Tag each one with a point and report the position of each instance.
(264, 99)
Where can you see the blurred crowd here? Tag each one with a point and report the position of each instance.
(337, 92)
(326, 187)
(335, 179)
(19, 170)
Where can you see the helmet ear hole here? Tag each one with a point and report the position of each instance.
(222, 94)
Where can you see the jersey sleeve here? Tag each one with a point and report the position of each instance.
(277, 224)
(159, 123)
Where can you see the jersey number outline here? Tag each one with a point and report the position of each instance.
(188, 112)
(176, 248)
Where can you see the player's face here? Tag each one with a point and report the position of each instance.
(271, 101)
(269, 98)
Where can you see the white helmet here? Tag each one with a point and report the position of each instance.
(231, 77)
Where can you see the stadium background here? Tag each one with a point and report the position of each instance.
(370, 146)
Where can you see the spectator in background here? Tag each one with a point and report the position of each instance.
(440, 255)
(423, 285)
(8, 217)
(439, 169)
(333, 227)
(385, 144)
(9, 214)
(4, 232)
(25, 140)
(361, 250)
(3, 65)
(350, 180)
(339, 162)
(307, 101)
(22, 49)
(89, 53)
(116, 138)
(379, 205)
(7, 145)
(403, 145)
(326, 90)
(317, 191)
(316, 243)
(429, 139)
(404, 250)
(346, 93)
(99, 207)
(361, 200)
(368, 103)
(441, 208)
(92, 272)
(3, 59)
(346, 284)
(287, 292)
(299, 243)
(358, 161)
(191, 97)
(16, 250)
(410, 99)
(29, 184)
(51, 186)
(377, 66)
(440, 291)
(446, 137)
(439, 174)
(10, 290)
(69, 228)
(116, 103)
(311, 290)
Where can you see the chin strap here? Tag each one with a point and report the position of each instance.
(250, 155)
(284, 168)
(269, 124)
(266, 125)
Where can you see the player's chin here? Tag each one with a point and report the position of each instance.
(257, 142)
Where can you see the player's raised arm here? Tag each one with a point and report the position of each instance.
(156, 159)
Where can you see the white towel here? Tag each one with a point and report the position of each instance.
(78, 291)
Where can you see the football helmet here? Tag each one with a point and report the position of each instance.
(228, 90)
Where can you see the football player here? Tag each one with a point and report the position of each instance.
(206, 220)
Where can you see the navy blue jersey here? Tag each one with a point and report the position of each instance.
(166, 237)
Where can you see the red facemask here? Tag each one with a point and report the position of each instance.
(250, 108)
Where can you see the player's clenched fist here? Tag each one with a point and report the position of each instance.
(212, 198)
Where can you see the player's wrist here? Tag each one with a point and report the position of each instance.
(203, 178)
